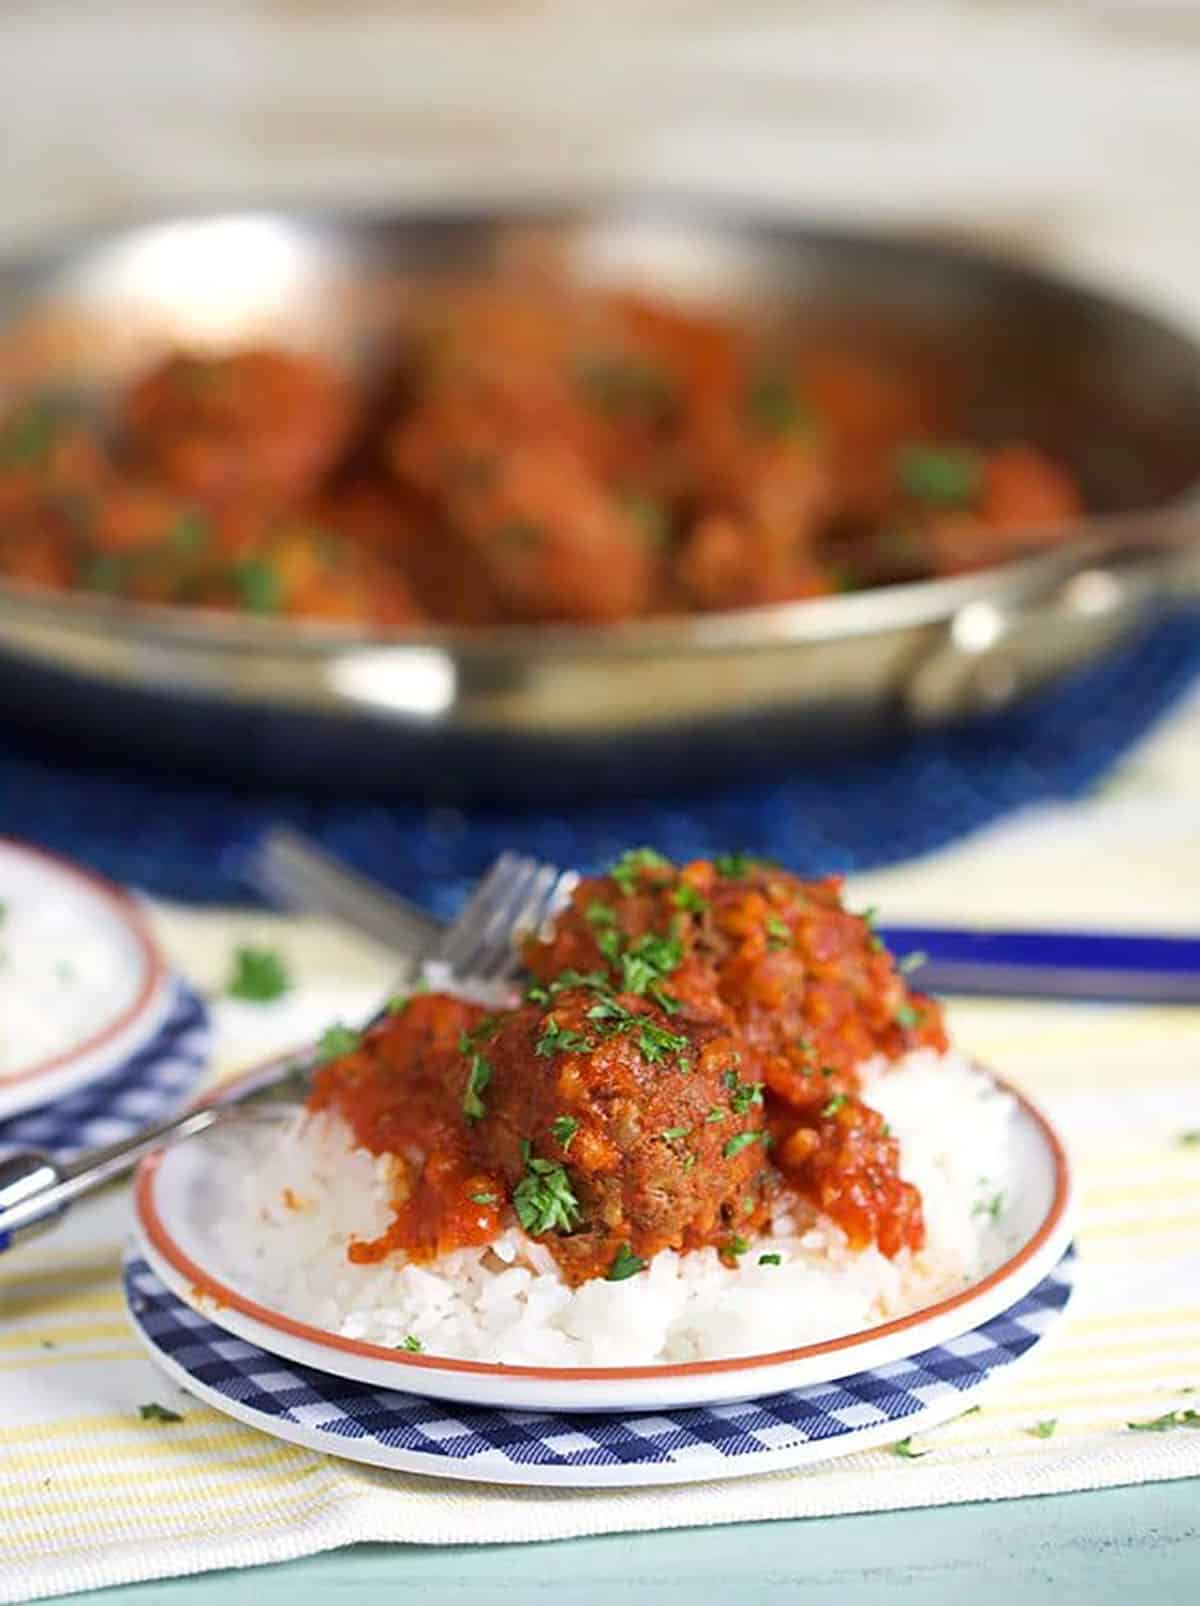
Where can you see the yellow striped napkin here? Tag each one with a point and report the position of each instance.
(90, 1494)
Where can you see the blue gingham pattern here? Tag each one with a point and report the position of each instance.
(148, 1087)
(446, 1435)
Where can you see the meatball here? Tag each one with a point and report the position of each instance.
(259, 424)
(620, 1130)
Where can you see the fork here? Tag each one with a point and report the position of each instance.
(517, 895)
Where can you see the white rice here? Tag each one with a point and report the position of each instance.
(314, 1191)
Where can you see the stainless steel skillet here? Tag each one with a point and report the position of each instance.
(568, 712)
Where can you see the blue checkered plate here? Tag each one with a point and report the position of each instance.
(408, 1433)
(150, 1085)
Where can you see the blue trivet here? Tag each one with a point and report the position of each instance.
(387, 1427)
(182, 839)
(149, 1087)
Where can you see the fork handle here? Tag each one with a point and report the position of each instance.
(35, 1189)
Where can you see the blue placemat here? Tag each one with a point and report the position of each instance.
(182, 839)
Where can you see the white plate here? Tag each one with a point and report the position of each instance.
(405, 1433)
(81, 949)
(179, 1200)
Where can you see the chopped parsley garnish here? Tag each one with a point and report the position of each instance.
(602, 918)
(742, 1140)
(153, 1412)
(564, 1128)
(1166, 1422)
(629, 866)
(1044, 1429)
(483, 1198)
(479, 1074)
(398, 1003)
(904, 1449)
(687, 898)
(732, 865)
(557, 1040)
(993, 1207)
(946, 475)
(689, 1160)
(770, 1260)
(772, 407)
(624, 1264)
(258, 585)
(913, 961)
(734, 1246)
(412, 1344)
(656, 1043)
(742, 1094)
(833, 1105)
(544, 1198)
(1190, 1140)
(335, 1040)
(868, 918)
(909, 1016)
(648, 961)
(714, 1115)
(674, 1132)
(259, 975)
(828, 1070)
(779, 933)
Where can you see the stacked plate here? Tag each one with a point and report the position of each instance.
(97, 1037)
(215, 1336)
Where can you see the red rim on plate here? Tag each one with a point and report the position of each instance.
(153, 963)
(204, 1283)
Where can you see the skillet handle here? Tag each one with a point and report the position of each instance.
(991, 654)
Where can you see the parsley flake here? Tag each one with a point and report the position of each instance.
(946, 475)
(734, 1246)
(993, 1207)
(742, 1140)
(483, 1198)
(336, 1040)
(1166, 1422)
(629, 867)
(624, 1264)
(913, 961)
(412, 1344)
(687, 898)
(564, 1128)
(259, 975)
(909, 1016)
(770, 1260)
(648, 961)
(153, 1412)
(556, 1040)
(673, 1132)
(1044, 1429)
(732, 865)
(834, 1104)
(479, 1074)
(742, 1094)
(544, 1198)
(904, 1449)
(779, 933)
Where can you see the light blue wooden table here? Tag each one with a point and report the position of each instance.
(1112, 1547)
